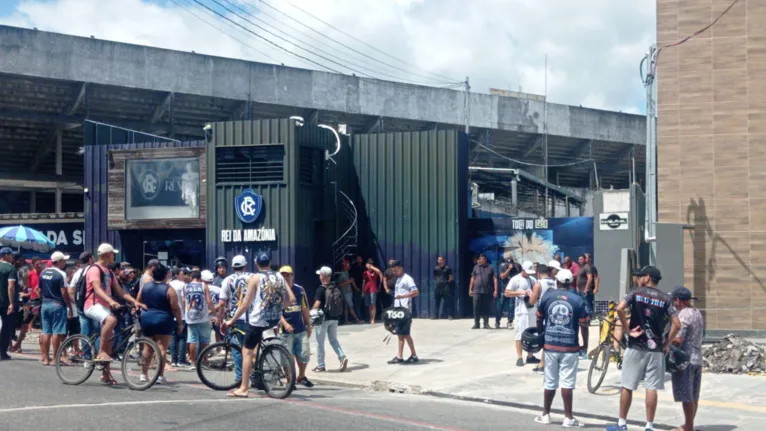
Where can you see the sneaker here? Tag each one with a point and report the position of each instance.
(306, 382)
(192, 368)
(142, 378)
(532, 360)
(572, 423)
(412, 360)
(396, 360)
(497, 325)
(319, 369)
(510, 325)
(174, 365)
(161, 380)
(538, 369)
(543, 419)
(343, 364)
(486, 326)
(519, 362)
(475, 327)
(616, 427)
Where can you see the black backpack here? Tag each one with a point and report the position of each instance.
(81, 289)
(334, 302)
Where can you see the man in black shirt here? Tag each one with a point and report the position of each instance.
(508, 269)
(483, 288)
(443, 280)
(357, 273)
(8, 276)
(644, 359)
(55, 309)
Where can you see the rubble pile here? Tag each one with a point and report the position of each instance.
(734, 355)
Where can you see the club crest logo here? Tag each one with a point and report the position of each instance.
(150, 185)
(248, 206)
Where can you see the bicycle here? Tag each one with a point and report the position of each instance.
(605, 351)
(140, 355)
(274, 365)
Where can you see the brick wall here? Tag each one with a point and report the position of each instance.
(712, 153)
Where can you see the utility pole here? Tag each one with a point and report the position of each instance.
(467, 107)
(651, 155)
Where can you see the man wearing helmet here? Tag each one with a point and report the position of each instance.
(561, 314)
(220, 271)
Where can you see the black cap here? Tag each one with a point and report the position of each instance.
(125, 265)
(682, 293)
(114, 266)
(186, 270)
(396, 263)
(651, 271)
(85, 256)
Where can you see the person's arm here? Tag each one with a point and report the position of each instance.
(515, 292)
(494, 280)
(286, 325)
(679, 339)
(470, 286)
(596, 283)
(209, 300)
(305, 312)
(65, 296)
(541, 317)
(449, 275)
(175, 308)
(252, 287)
(125, 295)
(589, 282)
(675, 326)
(535, 294)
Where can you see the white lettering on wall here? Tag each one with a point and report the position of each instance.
(248, 235)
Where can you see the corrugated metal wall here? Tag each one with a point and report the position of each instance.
(410, 192)
(98, 140)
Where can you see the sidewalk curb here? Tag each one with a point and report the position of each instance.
(398, 388)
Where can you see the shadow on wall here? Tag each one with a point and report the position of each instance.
(702, 234)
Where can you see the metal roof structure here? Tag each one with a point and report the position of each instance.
(39, 97)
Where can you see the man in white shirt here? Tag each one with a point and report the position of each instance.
(178, 341)
(526, 289)
(404, 291)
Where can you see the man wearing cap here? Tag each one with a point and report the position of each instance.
(526, 290)
(267, 295)
(687, 382)
(233, 290)
(508, 269)
(644, 358)
(295, 327)
(547, 284)
(7, 306)
(329, 328)
(483, 287)
(101, 285)
(56, 307)
(560, 315)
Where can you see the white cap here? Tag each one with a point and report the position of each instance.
(528, 267)
(564, 276)
(325, 270)
(57, 256)
(239, 261)
(106, 248)
(207, 276)
(555, 264)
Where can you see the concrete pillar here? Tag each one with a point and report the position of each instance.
(59, 165)
(58, 201)
(515, 192)
(32, 202)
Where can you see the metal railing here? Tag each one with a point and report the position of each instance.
(347, 241)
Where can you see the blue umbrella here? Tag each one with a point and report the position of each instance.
(24, 237)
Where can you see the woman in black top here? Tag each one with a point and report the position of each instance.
(157, 321)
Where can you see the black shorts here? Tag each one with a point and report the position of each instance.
(253, 336)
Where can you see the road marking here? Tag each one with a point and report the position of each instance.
(121, 403)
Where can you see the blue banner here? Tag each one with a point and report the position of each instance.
(163, 182)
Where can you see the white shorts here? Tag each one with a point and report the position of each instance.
(560, 369)
(98, 313)
(522, 322)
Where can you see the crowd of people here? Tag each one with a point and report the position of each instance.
(184, 307)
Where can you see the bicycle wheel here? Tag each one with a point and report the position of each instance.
(141, 363)
(215, 366)
(598, 366)
(74, 360)
(276, 367)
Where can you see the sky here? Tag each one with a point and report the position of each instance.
(593, 47)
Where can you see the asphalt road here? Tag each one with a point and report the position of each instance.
(32, 398)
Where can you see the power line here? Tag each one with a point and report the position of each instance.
(261, 37)
(441, 81)
(298, 41)
(530, 164)
(189, 11)
(363, 42)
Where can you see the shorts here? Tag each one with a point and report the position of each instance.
(97, 313)
(642, 364)
(156, 323)
(199, 332)
(54, 318)
(522, 322)
(370, 298)
(298, 345)
(687, 384)
(253, 336)
(349, 298)
(560, 370)
(31, 311)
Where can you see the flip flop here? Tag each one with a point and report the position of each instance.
(236, 395)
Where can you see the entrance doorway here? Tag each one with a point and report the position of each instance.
(175, 252)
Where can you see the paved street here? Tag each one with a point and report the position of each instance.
(32, 398)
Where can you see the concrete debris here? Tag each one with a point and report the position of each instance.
(734, 355)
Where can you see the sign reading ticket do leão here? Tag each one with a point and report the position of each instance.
(248, 205)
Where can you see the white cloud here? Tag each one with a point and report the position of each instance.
(593, 46)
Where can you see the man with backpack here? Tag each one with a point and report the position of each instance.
(329, 299)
